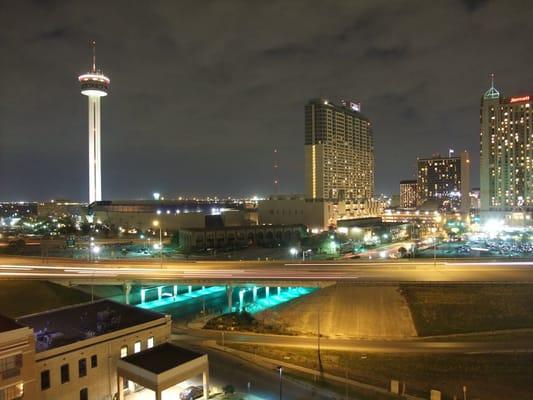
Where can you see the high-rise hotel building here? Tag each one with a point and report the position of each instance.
(408, 194)
(506, 163)
(339, 151)
(445, 180)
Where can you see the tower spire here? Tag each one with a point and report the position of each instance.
(492, 93)
(94, 56)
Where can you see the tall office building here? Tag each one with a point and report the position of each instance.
(445, 180)
(94, 85)
(339, 151)
(408, 194)
(506, 163)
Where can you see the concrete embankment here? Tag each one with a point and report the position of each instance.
(347, 310)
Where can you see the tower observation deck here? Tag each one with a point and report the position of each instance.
(94, 85)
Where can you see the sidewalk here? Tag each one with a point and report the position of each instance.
(271, 364)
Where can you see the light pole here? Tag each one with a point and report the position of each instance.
(294, 252)
(280, 370)
(433, 230)
(157, 224)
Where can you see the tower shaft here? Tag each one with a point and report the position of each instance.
(95, 173)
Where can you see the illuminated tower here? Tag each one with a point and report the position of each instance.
(506, 162)
(94, 85)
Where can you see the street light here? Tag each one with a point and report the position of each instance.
(280, 370)
(156, 224)
(433, 230)
(293, 251)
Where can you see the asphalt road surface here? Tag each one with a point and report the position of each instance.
(256, 271)
(227, 369)
(450, 345)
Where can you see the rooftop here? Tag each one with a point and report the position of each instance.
(161, 358)
(72, 324)
(8, 324)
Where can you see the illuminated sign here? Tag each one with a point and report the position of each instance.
(351, 105)
(517, 99)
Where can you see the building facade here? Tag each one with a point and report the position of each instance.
(506, 152)
(445, 180)
(408, 194)
(241, 236)
(77, 348)
(339, 152)
(171, 215)
(316, 215)
(17, 361)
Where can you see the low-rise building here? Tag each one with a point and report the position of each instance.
(170, 214)
(17, 361)
(240, 236)
(77, 347)
(374, 230)
(316, 215)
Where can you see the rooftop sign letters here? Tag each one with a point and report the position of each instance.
(519, 99)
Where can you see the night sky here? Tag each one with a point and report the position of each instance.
(203, 91)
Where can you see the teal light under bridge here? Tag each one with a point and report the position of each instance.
(271, 300)
(165, 301)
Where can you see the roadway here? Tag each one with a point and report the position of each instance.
(451, 344)
(217, 272)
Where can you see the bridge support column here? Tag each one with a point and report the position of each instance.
(229, 294)
(255, 293)
(241, 300)
(175, 290)
(279, 290)
(267, 292)
(143, 295)
(190, 289)
(159, 292)
(127, 291)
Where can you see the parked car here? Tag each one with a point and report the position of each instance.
(191, 393)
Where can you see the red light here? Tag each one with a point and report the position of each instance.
(517, 99)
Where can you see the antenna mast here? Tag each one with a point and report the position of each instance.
(94, 56)
(275, 171)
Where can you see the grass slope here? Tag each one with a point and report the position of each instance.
(487, 376)
(23, 297)
(447, 309)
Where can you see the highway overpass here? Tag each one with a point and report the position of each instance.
(278, 273)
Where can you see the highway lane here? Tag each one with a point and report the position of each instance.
(257, 271)
(415, 345)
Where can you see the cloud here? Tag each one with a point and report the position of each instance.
(201, 92)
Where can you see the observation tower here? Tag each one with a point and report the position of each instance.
(94, 85)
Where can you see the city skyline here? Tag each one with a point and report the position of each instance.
(184, 106)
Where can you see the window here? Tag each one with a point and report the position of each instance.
(12, 392)
(94, 361)
(65, 374)
(82, 367)
(137, 346)
(150, 342)
(45, 379)
(84, 394)
(10, 366)
(123, 351)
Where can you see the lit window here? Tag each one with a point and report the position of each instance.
(150, 342)
(137, 346)
(123, 351)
